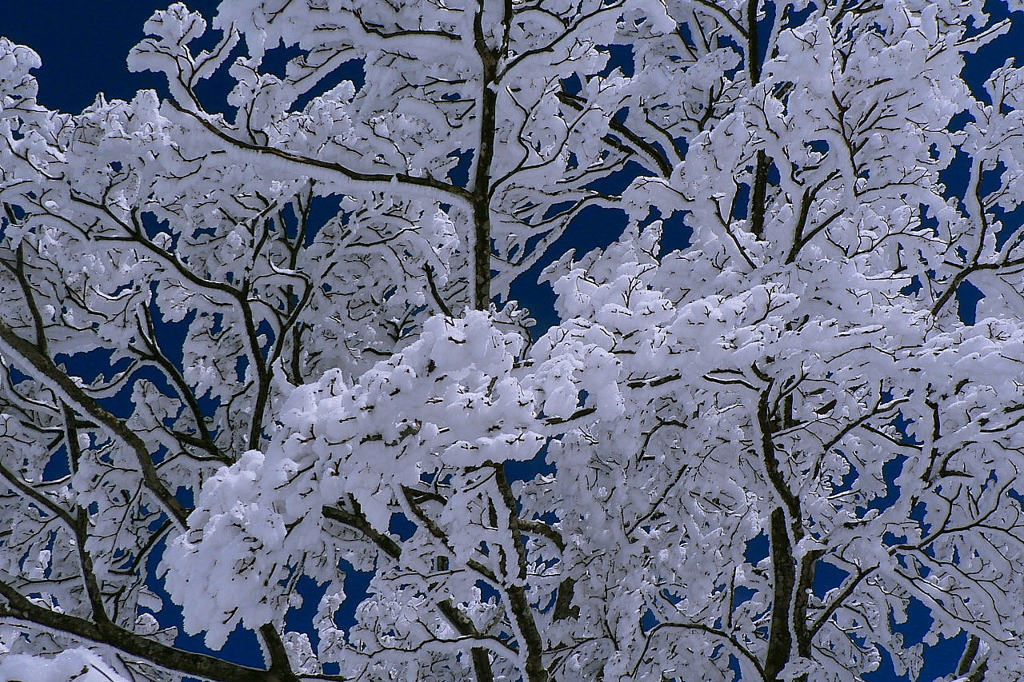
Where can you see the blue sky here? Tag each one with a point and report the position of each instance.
(84, 45)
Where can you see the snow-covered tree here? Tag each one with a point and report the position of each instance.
(266, 341)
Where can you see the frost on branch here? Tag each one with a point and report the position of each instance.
(80, 665)
(447, 402)
(264, 351)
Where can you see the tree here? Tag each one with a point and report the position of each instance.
(256, 345)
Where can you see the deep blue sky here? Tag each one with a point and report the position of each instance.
(84, 44)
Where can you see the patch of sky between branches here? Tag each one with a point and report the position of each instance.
(67, 82)
(322, 210)
(242, 646)
(300, 618)
(967, 297)
(757, 548)
(978, 67)
(939, 659)
(675, 233)
(530, 469)
(886, 671)
(213, 91)
(58, 466)
(459, 175)
(93, 365)
(357, 589)
(593, 227)
(400, 525)
(827, 577)
(619, 57)
(890, 472)
(276, 61)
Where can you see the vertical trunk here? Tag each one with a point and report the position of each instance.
(791, 582)
(788, 634)
(792, 579)
(753, 42)
(780, 636)
(519, 606)
(519, 602)
(481, 182)
(759, 188)
(805, 582)
(759, 194)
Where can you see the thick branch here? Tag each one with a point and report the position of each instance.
(199, 665)
(635, 141)
(78, 398)
(464, 626)
(359, 522)
(971, 667)
(453, 191)
(519, 603)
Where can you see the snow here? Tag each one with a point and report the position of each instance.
(79, 665)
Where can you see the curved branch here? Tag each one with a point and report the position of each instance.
(74, 395)
(700, 627)
(453, 191)
(21, 608)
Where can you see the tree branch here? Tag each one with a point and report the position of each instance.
(79, 399)
(199, 665)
